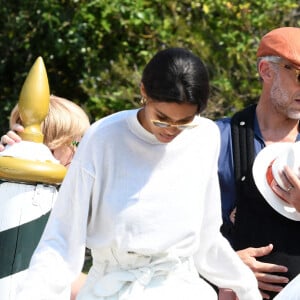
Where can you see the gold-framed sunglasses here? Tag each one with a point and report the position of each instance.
(161, 124)
(289, 67)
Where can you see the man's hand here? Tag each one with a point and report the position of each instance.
(292, 185)
(266, 281)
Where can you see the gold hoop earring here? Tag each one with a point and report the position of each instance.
(143, 101)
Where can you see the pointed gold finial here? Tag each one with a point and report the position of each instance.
(30, 160)
(34, 102)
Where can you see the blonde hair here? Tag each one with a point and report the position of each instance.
(66, 122)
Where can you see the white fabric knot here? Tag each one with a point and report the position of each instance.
(112, 282)
(143, 275)
(132, 281)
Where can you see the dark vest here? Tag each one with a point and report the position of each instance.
(257, 224)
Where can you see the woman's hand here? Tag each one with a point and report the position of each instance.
(227, 294)
(11, 136)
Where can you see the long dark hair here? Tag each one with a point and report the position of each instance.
(177, 75)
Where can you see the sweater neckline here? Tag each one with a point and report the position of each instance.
(138, 130)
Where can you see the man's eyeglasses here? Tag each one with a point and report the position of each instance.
(161, 124)
(289, 67)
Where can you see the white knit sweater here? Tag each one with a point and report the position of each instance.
(126, 190)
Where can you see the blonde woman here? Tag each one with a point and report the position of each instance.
(63, 128)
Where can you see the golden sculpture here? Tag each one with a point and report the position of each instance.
(33, 106)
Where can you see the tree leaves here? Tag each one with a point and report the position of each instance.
(94, 51)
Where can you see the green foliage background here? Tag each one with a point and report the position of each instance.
(94, 51)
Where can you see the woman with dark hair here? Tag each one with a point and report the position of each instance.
(142, 193)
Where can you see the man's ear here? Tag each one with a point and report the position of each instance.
(265, 70)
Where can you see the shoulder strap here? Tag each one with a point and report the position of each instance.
(242, 132)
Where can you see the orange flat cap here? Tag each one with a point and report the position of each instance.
(283, 42)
